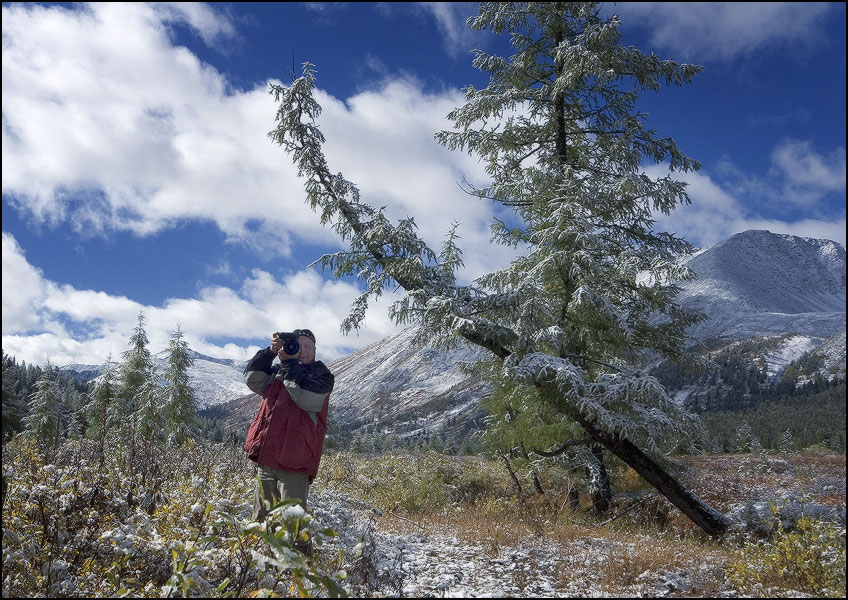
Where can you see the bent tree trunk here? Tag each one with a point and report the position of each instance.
(702, 514)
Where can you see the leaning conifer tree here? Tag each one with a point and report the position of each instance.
(180, 401)
(563, 143)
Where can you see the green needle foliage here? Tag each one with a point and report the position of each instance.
(180, 401)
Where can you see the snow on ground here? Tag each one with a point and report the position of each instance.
(430, 560)
(439, 565)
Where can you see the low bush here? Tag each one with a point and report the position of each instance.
(810, 559)
(73, 526)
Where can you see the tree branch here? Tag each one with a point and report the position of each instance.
(565, 446)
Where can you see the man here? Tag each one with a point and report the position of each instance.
(287, 435)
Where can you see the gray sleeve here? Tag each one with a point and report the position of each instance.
(257, 380)
(259, 373)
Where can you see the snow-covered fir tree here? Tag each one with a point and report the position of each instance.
(77, 414)
(102, 402)
(594, 288)
(138, 402)
(180, 401)
(104, 414)
(44, 419)
(745, 440)
(134, 370)
(149, 417)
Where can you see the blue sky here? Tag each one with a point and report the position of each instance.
(137, 174)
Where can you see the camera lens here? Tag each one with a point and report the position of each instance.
(291, 346)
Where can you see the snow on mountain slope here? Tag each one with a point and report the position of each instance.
(215, 380)
(394, 379)
(791, 349)
(832, 353)
(759, 283)
(753, 284)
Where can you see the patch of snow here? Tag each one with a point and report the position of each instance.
(790, 350)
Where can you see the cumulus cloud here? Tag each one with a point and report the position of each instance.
(38, 322)
(807, 174)
(726, 30)
(110, 127)
(20, 308)
(722, 207)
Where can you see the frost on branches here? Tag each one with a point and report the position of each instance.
(563, 143)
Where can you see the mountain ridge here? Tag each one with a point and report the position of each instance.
(416, 388)
(759, 283)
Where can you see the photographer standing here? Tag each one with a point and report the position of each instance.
(287, 436)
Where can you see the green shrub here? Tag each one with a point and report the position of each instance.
(809, 559)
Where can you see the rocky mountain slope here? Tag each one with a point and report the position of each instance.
(785, 289)
(759, 283)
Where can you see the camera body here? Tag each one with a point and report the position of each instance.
(290, 343)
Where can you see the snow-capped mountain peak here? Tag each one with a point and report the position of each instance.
(761, 283)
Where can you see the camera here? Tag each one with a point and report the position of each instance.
(290, 343)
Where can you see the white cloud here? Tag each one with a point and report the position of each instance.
(725, 30)
(807, 174)
(37, 320)
(110, 127)
(716, 213)
(450, 18)
(19, 306)
(211, 26)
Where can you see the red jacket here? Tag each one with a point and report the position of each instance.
(288, 431)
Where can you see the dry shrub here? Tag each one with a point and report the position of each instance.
(493, 523)
(626, 562)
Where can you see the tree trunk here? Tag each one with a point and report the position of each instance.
(511, 472)
(574, 499)
(537, 484)
(602, 494)
(703, 515)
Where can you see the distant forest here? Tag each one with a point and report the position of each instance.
(75, 397)
(740, 407)
(741, 410)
